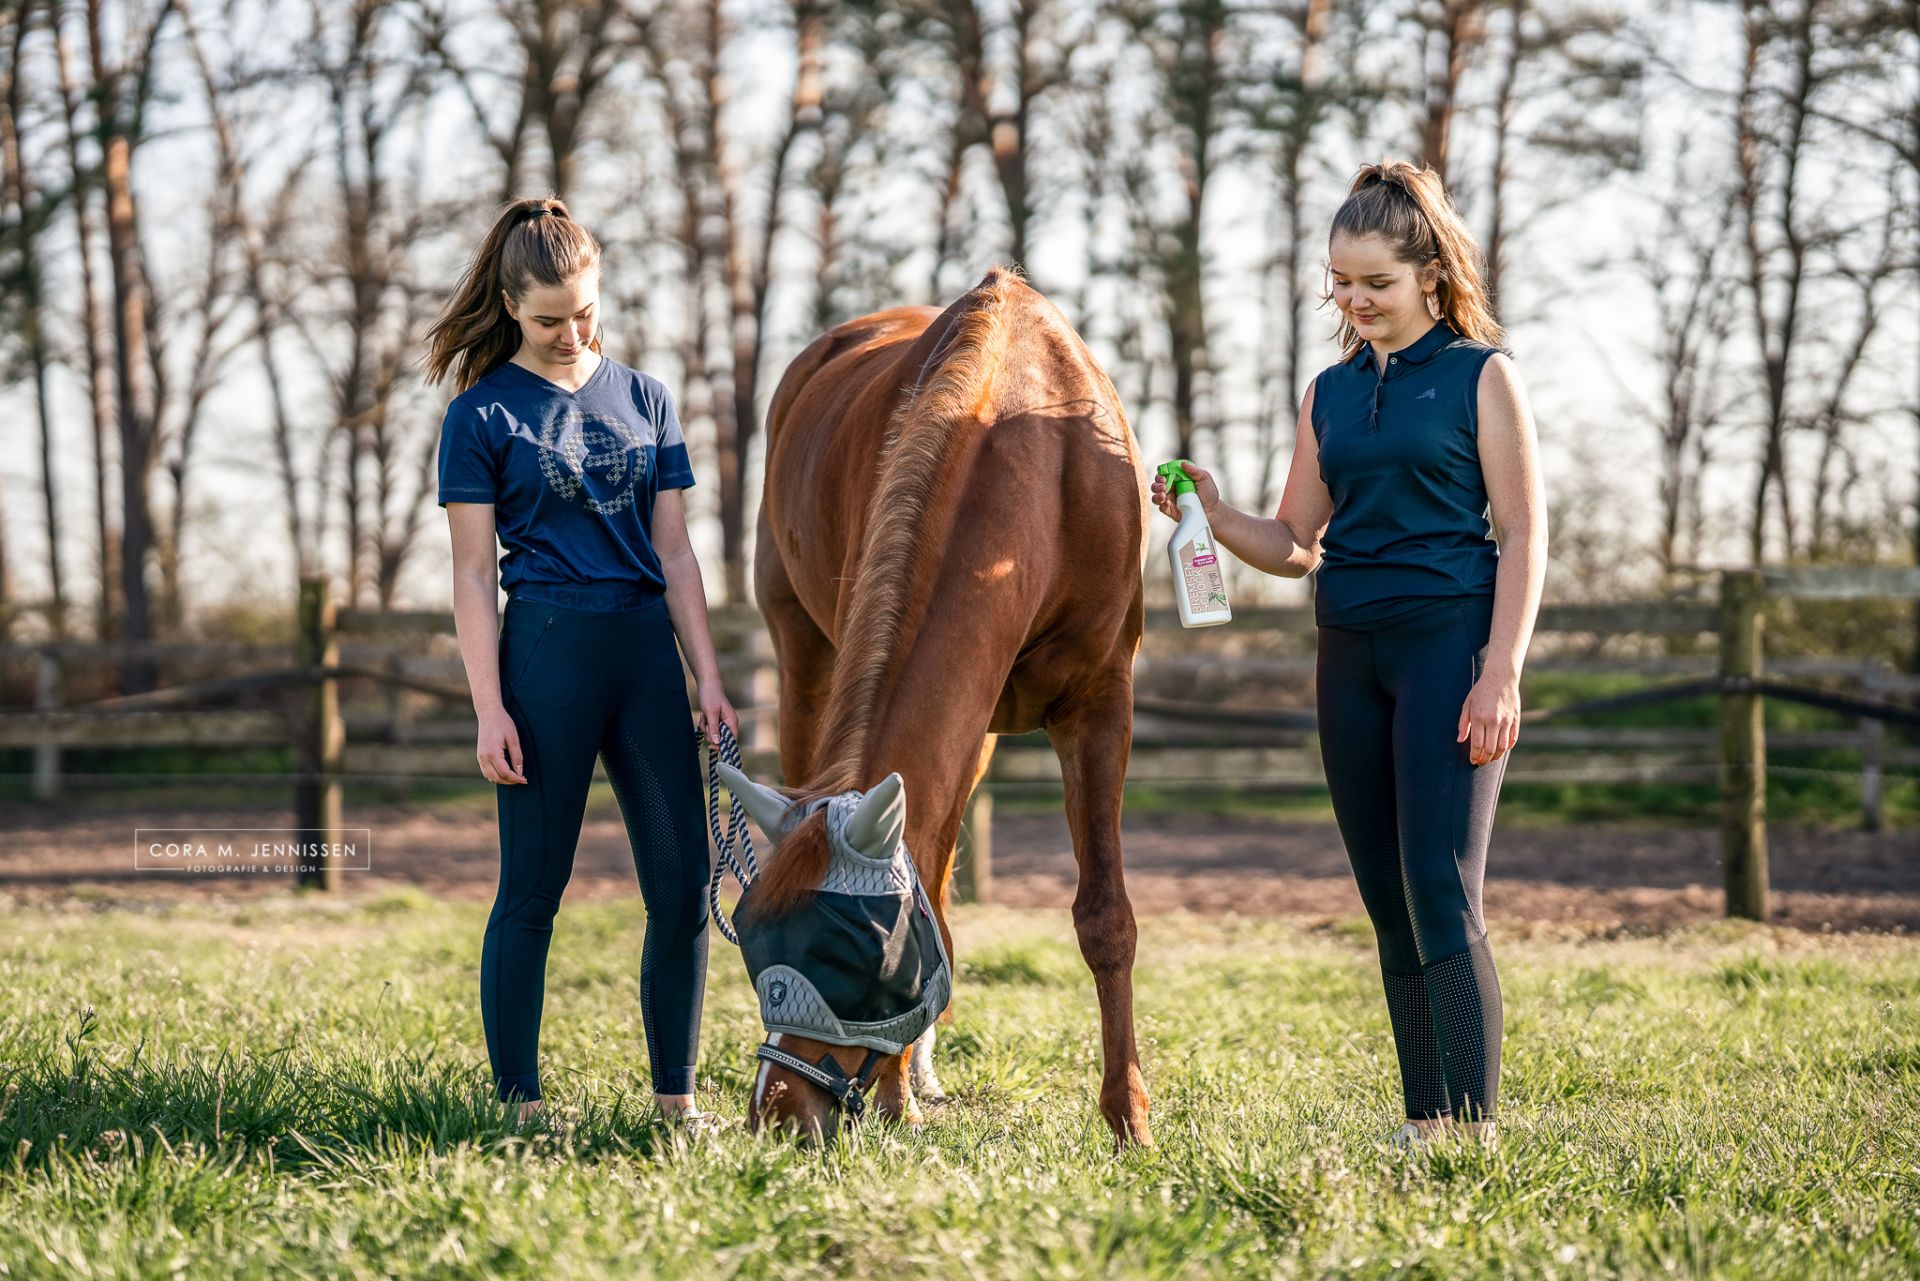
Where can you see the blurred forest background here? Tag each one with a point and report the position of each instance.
(226, 226)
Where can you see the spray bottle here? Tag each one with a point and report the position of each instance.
(1198, 584)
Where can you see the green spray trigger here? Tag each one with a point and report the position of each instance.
(1199, 586)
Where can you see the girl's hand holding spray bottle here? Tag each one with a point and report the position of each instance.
(1185, 492)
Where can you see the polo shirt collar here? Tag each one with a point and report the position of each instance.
(1420, 350)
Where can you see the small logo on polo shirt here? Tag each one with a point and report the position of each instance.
(1425, 395)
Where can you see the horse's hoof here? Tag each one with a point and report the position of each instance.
(1129, 1131)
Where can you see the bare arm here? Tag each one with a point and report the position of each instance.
(1509, 460)
(1287, 544)
(476, 622)
(476, 588)
(687, 606)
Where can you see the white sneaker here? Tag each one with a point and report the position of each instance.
(1408, 1138)
(693, 1124)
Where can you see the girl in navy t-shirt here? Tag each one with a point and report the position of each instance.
(575, 464)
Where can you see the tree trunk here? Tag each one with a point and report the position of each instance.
(99, 387)
(943, 245)
(1294, 224)
(131, 372)
(749, 283)
(1446, 47)
(27, 220)
(1502, 138)
(1775, 335)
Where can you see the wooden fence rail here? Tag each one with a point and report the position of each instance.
(333, 745)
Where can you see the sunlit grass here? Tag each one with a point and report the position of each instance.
(293, 1088)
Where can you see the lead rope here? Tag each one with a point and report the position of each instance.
(743, 867)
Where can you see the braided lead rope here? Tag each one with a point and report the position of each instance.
(743, 867)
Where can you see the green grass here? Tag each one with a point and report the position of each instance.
(292, 1088)
(1819, 801)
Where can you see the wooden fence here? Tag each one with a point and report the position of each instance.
(1185, 744)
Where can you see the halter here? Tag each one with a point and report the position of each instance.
(790, 1001)
(848, 1092)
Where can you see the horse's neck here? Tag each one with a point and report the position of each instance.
(914, 689)
(876, 702)
(931, 719)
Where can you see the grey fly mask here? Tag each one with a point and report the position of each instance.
(863, 963)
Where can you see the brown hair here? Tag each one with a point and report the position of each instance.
(1407, 207)
(534, 242)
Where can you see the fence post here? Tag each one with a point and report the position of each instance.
(1743, 745)
(46, 755)
(973, 861)
(1873, 750)
(320, 734)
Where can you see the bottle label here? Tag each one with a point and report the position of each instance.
(1201, 578)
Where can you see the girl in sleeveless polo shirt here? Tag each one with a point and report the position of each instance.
(1425, 608)
(576, 464)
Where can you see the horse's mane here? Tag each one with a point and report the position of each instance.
(924, 434)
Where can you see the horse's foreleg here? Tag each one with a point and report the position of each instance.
(892, 1092)
(926, 1082)
(1093, 740)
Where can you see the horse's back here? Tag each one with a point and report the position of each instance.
(1037, 510)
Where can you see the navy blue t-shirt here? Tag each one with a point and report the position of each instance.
(1400, 456)
(572, 477)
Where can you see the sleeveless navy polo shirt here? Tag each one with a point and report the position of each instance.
(1399, 454)
(572, 476)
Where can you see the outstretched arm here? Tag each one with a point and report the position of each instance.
(1288, 543)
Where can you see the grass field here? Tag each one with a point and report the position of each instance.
(290, 1089)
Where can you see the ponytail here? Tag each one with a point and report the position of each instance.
(1408, 208)
(533, 243)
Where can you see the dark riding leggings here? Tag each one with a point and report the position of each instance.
(580, 684)
(1415, 815)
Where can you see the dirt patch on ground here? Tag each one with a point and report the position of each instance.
(1608, 878)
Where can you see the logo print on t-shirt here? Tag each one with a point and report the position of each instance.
(595, 454)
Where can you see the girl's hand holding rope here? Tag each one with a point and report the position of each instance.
(716, 711)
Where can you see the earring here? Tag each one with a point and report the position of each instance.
(1433, 304)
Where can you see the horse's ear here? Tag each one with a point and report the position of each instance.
(881, 819)
(765, 806)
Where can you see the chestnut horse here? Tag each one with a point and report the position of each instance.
(950, 547)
